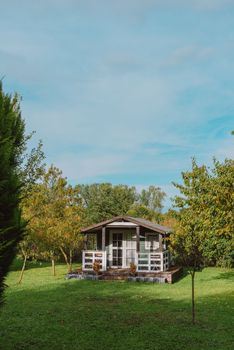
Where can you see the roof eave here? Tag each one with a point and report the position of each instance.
(127, 218)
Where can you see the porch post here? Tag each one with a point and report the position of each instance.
(85, 242)
(160, 243)
(103, 238)
(138, 239)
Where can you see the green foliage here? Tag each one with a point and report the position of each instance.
(205, 225)
(98, 315)
(141, 211)
(33, 167)
(53, 210)
(206, 213)
(103, 201)
(12, 146)
(152, 198)
(148, 204)
(169, 219)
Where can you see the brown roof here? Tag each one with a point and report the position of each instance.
(138, 221)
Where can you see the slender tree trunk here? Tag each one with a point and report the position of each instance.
(70, 260)
(193, 297)
(23, 267)
(65, 258)
(53, 266)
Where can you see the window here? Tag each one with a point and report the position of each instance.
(151, 241)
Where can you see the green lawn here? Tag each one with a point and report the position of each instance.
(48, 312)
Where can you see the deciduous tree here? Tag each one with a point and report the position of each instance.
(53, 211)
(152, 198)
(103, 201)
(204, 230)
(148, 204)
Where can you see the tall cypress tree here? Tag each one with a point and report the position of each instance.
(12, 146)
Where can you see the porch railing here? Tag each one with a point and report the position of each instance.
(90, 256)
(152, 262)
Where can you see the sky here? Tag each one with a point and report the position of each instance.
(123, 91)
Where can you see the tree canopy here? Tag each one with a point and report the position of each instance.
(204, 228)
(103, 201)
(148, 204)
(207, 203)
(53, 211)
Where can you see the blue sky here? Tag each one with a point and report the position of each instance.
(123, 91)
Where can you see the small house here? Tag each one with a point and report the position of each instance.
(122, 240)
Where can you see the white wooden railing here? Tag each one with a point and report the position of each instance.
(152, 262)
(90, 256)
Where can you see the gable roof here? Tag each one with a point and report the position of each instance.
(138, 221)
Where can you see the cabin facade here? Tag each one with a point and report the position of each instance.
(123, 240)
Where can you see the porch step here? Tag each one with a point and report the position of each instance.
(169, 276)
(147, 279)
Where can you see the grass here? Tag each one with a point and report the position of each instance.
(47, 312)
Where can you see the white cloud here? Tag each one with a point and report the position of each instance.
(96, 91)
(87, 168)
(188, 54)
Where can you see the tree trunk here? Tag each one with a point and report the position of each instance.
(23, 267)
(70, 260)
(193, 297)
(65, 258)
(53, 266)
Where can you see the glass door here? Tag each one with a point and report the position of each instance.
(117, 249)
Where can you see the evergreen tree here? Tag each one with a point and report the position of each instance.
(12, 146)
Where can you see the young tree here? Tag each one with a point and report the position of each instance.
(69, 238)
(27, 249)
(53, 211)
(204, 229)
(186, 244)
(12, 146)
(187, 239)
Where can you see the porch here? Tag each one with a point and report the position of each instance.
(144, 262)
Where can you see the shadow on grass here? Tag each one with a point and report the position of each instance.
(34, 264)
(227, 275)
(30, 264)
(182, 275)
(112, 315)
